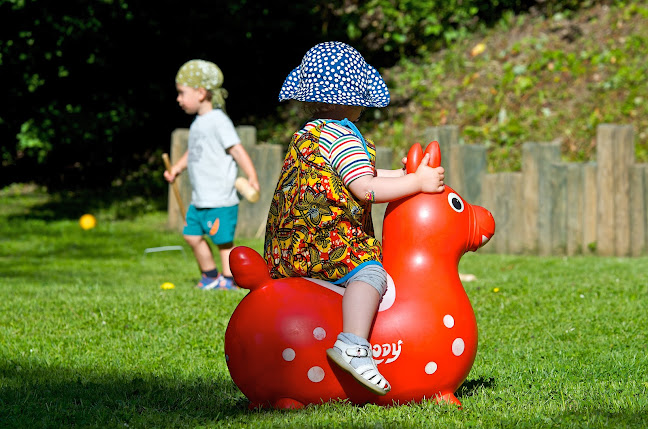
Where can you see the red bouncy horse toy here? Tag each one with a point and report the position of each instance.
(425, 334)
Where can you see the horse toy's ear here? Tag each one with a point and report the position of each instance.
(415, 155)
(435, 154)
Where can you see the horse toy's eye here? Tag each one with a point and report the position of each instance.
(455, 202)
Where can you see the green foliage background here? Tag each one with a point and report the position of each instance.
(88, 92)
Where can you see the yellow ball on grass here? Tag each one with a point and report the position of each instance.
(87, 221)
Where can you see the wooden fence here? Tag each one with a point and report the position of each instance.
(548, 208)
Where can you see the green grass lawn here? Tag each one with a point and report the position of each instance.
(89, 339)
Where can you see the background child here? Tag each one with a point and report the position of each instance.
(319, 224)
(214, 150)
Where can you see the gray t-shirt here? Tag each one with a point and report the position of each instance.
(211, 170)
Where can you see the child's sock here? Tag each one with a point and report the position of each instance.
(350, 338)
(211, 273)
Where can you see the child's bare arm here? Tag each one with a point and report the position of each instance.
(390, 173)
(244, 161)
(390, 185)
(393, 173)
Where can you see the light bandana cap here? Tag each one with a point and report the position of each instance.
(203, 74)
(335, 73)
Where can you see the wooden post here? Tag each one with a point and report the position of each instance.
(536, 194)
(645, 213)
(615, 156)
(512, 195)
(637, 210)
(178, 148)
(590, 201)
(502, 196)
(501, 212)
(247, 134)
(557, 225)
(489, 201)
(468, 167)
(575, 208)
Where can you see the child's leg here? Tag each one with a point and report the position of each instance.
(193, 234)
(223, 226)
(202, 252)
(225, 250)
(359, 305)
(352, 351)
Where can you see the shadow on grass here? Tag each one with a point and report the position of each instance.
(471, 387)
(60, 397)
(69, 205)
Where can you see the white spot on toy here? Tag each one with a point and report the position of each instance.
(288, 354)
(390, 296)
(430, 368)
(316, 374)
(319, 333)
(458, 347)
(448, 321)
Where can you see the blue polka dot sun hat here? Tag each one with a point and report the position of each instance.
(335, 73)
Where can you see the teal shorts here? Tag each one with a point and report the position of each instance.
(218, 223)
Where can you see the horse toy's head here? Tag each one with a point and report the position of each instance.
(440, 227)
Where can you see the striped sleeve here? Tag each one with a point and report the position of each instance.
(306, 128)
(345, 153)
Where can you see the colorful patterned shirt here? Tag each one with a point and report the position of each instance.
(316, 227)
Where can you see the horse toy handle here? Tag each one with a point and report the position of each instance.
(416, 154)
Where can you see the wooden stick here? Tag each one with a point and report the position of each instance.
(174, 185)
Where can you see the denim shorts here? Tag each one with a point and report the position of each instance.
(218, 223)
(370, 272)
